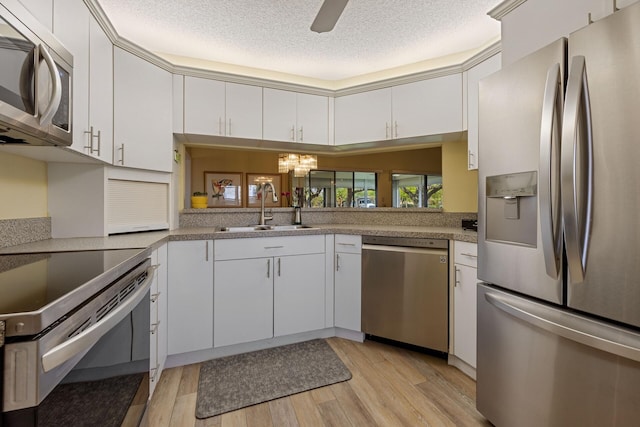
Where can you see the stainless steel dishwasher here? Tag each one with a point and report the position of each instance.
(405, 290)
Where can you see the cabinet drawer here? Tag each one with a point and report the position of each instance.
(267, 246)
(348, 243)
(466, 253)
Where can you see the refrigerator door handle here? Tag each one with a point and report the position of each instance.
(576, 171)
(549, 192)
(608, 339)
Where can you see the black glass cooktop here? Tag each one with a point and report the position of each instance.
(29, 282)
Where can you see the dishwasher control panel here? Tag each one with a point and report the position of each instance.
(410, 242)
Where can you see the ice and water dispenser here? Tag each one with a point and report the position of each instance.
(512, 208)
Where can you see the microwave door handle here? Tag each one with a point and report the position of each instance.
(577, 195)
(551, 235)
(56, 96)
(87, 338)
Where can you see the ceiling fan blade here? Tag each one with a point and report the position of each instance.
(328, 15)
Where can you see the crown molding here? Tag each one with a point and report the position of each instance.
(131, 47)
(482, 56)
(504, 8)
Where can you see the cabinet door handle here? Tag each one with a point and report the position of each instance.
(471, 162)
(293, 133)
(469, 255)
(90, 142)
(206, 251)
(154, 372)
(337, 262)
(347, 244)
(99, 136)
(268, 268)
(154, 297)
(301, 134)
(278, 267)
(219, 125)
(395, 128)
(273, 247)
(457, 281)
(121, 154)
(154, 328)
(386, 130)
(229, 128)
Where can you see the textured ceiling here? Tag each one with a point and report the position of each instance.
(371, 35)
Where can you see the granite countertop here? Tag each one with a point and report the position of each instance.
(155, 238)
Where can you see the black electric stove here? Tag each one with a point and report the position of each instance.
(37, 289)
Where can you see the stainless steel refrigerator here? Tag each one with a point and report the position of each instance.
(559, 232)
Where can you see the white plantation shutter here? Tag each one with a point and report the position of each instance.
(137, 206)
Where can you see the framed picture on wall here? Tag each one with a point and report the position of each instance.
(253, 183)
(224, 189)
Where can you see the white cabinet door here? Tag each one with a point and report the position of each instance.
(158, 342)
(295, 117)
(279, 115)
(42, 10)
(428, 107)
(143, 135)
(190, 296)
(474, 75)
(363, 117)
(348, 274)
(92, 78)
(243, 301)
(100, 93)
(464, 314)
(313, 119)
(298, 294)
(244, 111)
(71, 27)
(204, 106)
(213, 107)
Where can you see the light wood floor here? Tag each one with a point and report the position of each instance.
(390, 387)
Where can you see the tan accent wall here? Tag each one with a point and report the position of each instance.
(459, 184)
(23, 187)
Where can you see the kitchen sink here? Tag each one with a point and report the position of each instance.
(248, 228)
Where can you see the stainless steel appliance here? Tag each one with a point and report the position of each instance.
(77, 330)
(405, 294)
(559, 313)
(35, 81)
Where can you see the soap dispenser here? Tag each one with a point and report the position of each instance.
(297, 218)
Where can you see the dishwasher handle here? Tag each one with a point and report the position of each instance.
(404, 249)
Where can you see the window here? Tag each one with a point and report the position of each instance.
(416, 191)
(324, 189)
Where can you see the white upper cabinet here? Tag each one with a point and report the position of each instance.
(474, 75)
(427, 107)
(143, 113)
(204, 106)
(92, 77)
(213, 107)
(363, 117)
(295, 117)
(42, 10)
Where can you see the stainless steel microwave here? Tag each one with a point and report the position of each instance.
(36, 74)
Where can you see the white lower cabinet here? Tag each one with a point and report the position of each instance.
(347, 282)
(464, 302)
(298, 294)
(158, 342)
(266, 287)
(190, 296)
(243, 301)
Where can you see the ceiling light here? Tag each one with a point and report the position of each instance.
(300, 164)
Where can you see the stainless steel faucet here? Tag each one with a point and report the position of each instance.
(262, 189)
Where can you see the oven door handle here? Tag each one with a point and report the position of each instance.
(86, 339)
